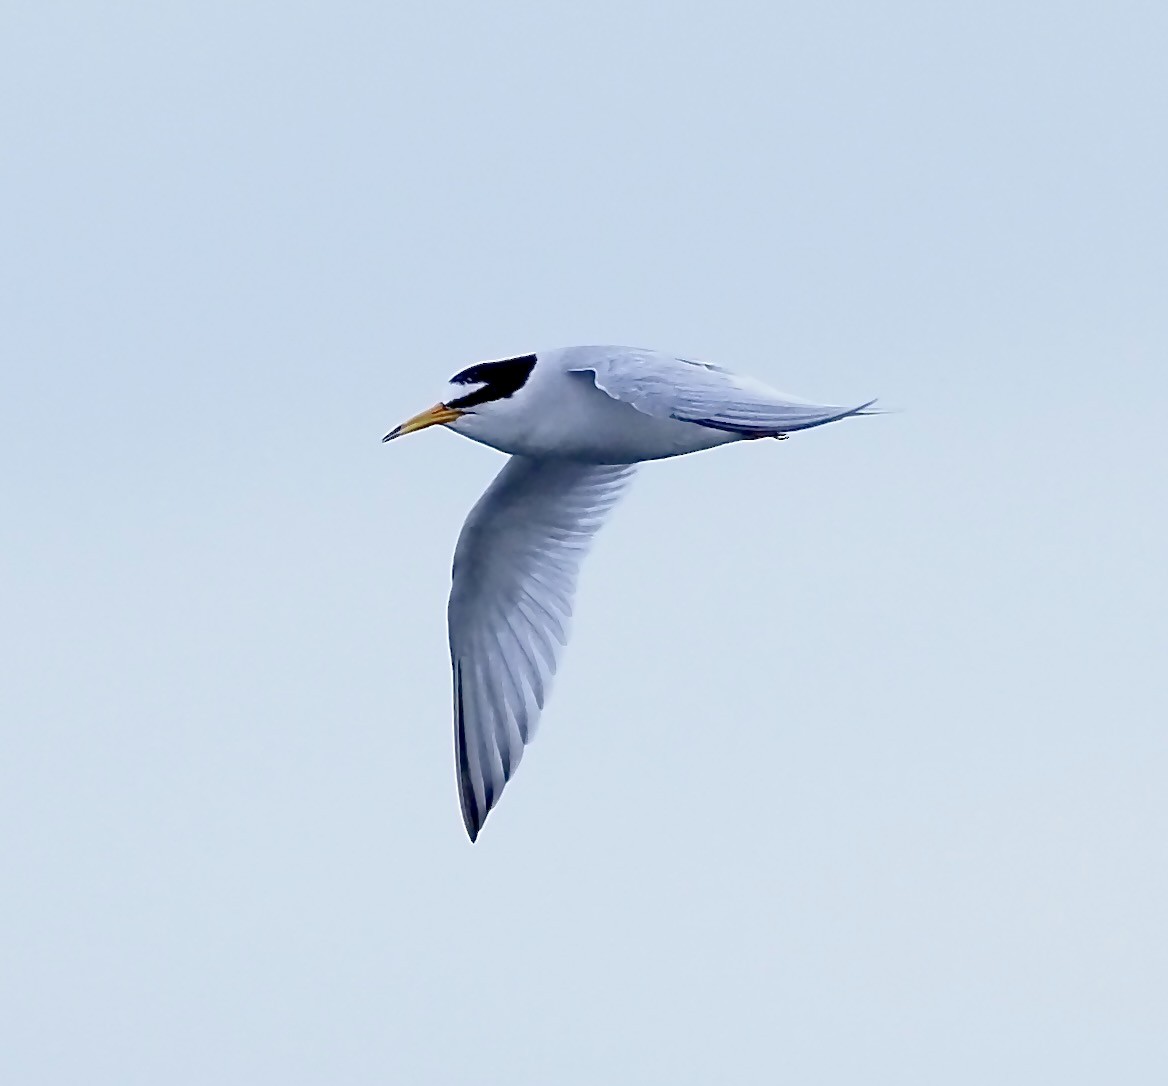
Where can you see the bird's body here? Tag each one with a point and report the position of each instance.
(575, 420)
(580, 422)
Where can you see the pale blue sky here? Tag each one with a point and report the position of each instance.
(855, 770)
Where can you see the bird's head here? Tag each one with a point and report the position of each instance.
(474, 397)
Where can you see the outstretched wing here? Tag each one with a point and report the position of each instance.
(515, 570)
(701, 393)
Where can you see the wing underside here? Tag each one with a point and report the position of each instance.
(515, 572)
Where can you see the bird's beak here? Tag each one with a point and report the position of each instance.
(438, 415)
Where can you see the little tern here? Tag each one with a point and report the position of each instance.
(576, 421)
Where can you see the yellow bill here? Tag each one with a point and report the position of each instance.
(438, 415)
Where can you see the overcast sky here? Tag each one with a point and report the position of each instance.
(855, 770)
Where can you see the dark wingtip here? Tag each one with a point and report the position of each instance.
(466, 799)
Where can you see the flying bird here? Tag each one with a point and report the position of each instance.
(576, 421)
